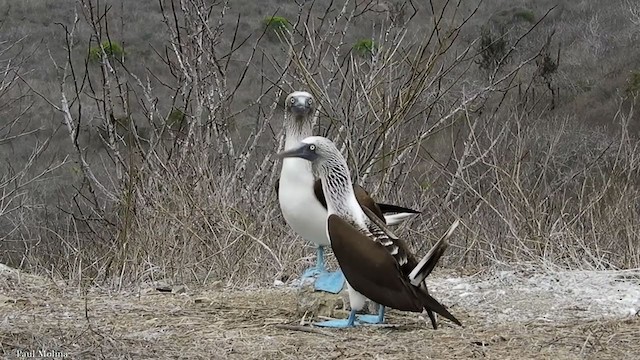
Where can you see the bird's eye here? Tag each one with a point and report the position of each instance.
(312, 147)
(293, 100)
(309, 101)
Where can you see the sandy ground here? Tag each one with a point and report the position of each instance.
(515, 314)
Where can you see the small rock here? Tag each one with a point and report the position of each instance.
(7, 269)
(179, 289)
(162, 285)
(4, 300)
(318, 303)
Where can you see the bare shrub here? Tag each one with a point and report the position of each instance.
(173, 200)
(19, 174)
(633, 10)
(548, 190)
(181, 185)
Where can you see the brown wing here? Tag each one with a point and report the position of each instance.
(372, 271)
(361, 195)
(317, 189)
(366, 201)
(406, 259)
(396, 246)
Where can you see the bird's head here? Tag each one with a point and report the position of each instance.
(300, 104)
(320, 151)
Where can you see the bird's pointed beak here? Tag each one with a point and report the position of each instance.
(300, 108)
(303, 152)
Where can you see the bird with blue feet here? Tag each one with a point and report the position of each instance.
(302, 199)
(377, 265)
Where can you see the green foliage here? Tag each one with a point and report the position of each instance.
(121, 123)
(277, 23)
(365, 47)
(425, 185)
(112, 49)
(524, 15)
(175, 118)
(633, 83)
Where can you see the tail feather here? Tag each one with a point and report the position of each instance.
(429, 261)
(423, 269)
(432, 304)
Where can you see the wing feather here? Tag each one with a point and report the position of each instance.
(373, 271)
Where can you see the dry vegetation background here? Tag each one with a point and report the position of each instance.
(137, 138)
(137, 143)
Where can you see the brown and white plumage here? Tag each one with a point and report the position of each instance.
(300, 194)
(376, 265)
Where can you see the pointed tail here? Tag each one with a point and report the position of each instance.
(429, 261)
(432, 304)
(423, 269)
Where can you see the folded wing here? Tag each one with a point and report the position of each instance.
(373, 271)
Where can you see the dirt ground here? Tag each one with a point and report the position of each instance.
(504, 317)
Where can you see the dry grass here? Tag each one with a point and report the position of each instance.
(217, 323)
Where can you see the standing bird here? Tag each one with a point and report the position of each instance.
(301, 197)
(376, 264)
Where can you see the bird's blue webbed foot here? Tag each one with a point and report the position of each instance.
(331, 282)
(373, 319)
(354, 320)
(339, 323)
(323, 280)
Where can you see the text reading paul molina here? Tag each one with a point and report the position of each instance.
(41, 353)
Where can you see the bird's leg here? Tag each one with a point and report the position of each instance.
(434, 319)
(352, 318)
(320, 267)
(331, 282)
(373, 319)
(381, 314)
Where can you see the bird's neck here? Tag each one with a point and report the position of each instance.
(297, 128)
(338, 190)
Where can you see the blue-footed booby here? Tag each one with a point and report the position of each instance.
(377, 265)
(301, 196)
